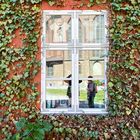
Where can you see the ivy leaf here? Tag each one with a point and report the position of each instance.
(106, 136)
(13, 0)
(110, 84)
(26, 132)
(98, 1)
(61, 129)
(51, 3)
(133, 1)
(26, 74)
(1, 44)
(135, 133)
(91, 1)
(47, 126)
(34, 72)
(36, 9)
(4, 6)
(20, 124)
(16, 136)
(116, 6)
(21, 1)
(132, 67)
(2, 95)
(128, 111)
(89, 4)
(35, 1)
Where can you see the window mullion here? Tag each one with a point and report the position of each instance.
(76, 66)
(43, 81)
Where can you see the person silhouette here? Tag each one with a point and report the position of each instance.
(91, 92)
(69, 93)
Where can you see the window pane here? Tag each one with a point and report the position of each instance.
(92, 63)
(58, 63)
(91, 99)
(91, 29)
(57, 95)
(58, 29)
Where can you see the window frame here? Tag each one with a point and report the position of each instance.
(69, 46)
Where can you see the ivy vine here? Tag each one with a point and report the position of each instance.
(19, 65)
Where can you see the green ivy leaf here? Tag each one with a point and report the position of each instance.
(51, 3)
(13, 1)
(110, 84)
(21, 124)
(91, 1)
(36, 9)
(26, 74)
(128, 111)
(35, 1)
(2, 95)
(98, 1)
(133, 1)
(34, 72)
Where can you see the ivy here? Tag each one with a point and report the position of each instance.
(19, 66)
(33, 130)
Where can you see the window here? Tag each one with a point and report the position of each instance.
(74, 58)
(49, 70)
(80, 68)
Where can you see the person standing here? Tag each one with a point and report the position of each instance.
(91, 92)
(69, 89)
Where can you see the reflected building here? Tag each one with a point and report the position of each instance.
(58, 63)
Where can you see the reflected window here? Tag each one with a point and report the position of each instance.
(80, 68)
(50, 70)
(93, 62)
(98, 68)
(91, 29)
(100, 29)
(98, 54)
(58, 63)
(58, 29)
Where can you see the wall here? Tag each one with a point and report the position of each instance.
(19, 62)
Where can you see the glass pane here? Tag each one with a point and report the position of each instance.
(91, 29)
(57, 94)
(58, 63)
(92, 63)
(58, 29)
(88, 98)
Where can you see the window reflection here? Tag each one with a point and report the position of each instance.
(91, 29)
(58, 63)
(99, 99)
(92, 63)
(98, 68)
(56, 94)
(58, 29)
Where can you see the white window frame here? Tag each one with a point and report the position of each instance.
(75, 47)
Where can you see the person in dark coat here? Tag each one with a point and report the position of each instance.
(91, 92)
(69, 82)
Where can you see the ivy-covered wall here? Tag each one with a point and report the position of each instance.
(20, 116)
